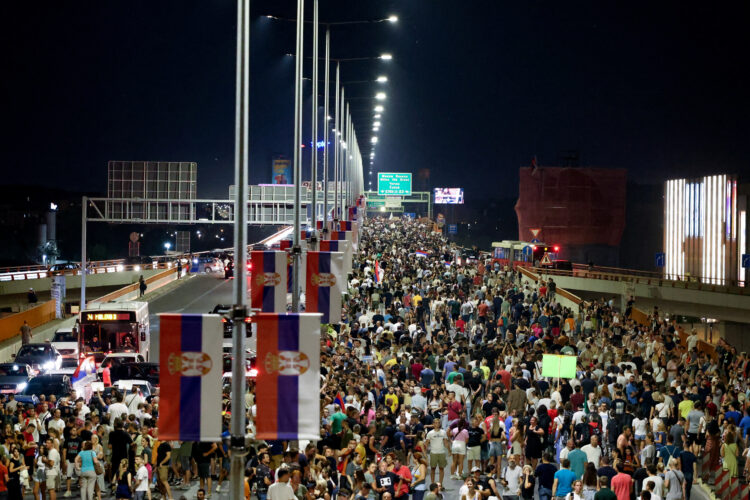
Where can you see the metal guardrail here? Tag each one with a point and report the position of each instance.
(643, 278)
(33, 272)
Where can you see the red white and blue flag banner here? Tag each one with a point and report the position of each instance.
(324, 283)
(344, 235)
(191, 367)
(288, 388)
(348, 225)
(339, 246)
(268, 285)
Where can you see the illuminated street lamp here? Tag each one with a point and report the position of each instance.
(380, 96)
(381, 79)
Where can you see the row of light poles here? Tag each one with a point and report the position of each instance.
(348, 173)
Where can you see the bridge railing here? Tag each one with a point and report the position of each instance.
(648, 278)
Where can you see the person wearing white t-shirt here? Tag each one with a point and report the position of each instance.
(437, 445)
(52, 469)
(593, 451)
(118, 409)
(141, 479)
(281, 490)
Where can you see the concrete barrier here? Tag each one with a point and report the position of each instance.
(132, 292)
(71, 281)
(10, 326)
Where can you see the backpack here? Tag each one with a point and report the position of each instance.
(613, 430)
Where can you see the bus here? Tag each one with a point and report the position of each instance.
(522, 253)
(114, 327)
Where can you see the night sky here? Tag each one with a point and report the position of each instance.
(477, 88)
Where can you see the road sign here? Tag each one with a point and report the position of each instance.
(392, 201)
(527, 250)
(660, 259)
(545, 259)
(452, 228)
(746, 260)
(411, 215)
(534, 240)
(394, 183)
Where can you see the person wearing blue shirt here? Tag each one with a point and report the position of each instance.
(564, 478)
(745, 423)
(631, 391)
(733, 414)
(578, 460)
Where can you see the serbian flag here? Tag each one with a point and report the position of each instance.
(348, 225)
(339, 400)
(377, 272)
(339, 246)
(344, 235)
(420, 253)
(191, 367)
(288, 389)
(324, 285)
(269, 277)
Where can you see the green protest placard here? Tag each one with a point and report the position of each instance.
(559, 366)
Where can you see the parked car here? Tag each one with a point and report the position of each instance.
(119, 358)
(66, 343)
(125, 386)
(57, 385)
(65, 268)
(140, 371)
(41, 357)
(14, 377)
(206, 264)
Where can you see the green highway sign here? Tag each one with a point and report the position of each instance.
(390, 183)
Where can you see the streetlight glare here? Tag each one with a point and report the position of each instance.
(379, 109)
(382, 79)
(386, 57)
(393, 19)
(380, 96)
(376, 124)
(378, 115)
(374, 140)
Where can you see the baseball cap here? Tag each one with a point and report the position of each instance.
(476, 469)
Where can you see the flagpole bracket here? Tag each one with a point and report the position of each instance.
(297, 250)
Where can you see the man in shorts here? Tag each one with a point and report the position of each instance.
(52, 469)
(163, 456)
(437, 446)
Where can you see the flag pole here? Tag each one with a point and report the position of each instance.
(296, 243)
(239, 309)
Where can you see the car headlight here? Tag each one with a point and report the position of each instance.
(49, 365)
(20, 387)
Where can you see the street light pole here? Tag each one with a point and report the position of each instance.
(325, 130)
(314, 169)
(239, 287)
(84, 267)
(296, 246)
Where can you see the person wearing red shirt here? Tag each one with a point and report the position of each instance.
(29, 447)
(622, 483)
(460, 325)
(454, 407)
(3, 480)
(404, 479)
(416, 369)
(483, 308)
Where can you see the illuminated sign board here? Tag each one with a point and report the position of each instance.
(390, 183)
(107, 316)
(449, 196)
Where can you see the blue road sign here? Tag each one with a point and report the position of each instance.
(661, 259)
(527, 250)
(746, 260)
(452, 228)
(534, 240)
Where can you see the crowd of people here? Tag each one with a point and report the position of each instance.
(434, 369)
(437, 366)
